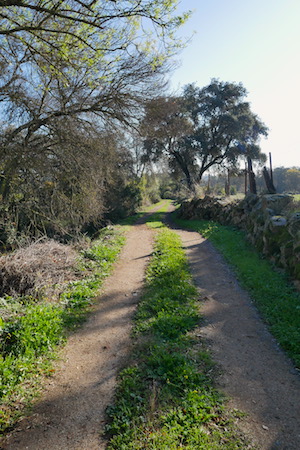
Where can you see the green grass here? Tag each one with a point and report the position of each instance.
(166, 399)
(271, 291)
(29, 338)
(162, 206)
(156, 220)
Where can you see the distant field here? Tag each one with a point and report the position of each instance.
(297, 197)
(238, 196)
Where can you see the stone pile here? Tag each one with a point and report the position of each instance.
(268, 221)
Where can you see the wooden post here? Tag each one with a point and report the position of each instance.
(269, 183)
(252, 183)
(228, 181)
(271, 169)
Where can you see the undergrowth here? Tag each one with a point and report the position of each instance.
(271, 291)
(31, 329)
(166, 399)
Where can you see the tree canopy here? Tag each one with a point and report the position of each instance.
(73, 73)
(71, 57)
(211, 126)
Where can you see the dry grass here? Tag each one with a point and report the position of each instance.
(38, 269)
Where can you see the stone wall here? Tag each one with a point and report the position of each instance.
(266, 219)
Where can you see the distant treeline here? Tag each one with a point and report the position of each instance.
(286, 180)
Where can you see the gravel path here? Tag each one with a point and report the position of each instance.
(256, 375)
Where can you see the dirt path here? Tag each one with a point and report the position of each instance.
(256, 375)
(72, 411)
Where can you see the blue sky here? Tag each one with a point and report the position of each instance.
(256, 42)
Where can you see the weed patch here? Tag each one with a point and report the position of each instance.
(166, 399)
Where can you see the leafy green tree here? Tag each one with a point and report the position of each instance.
(293, 180)
(165, 126)
(286, 179)
(95, 28)
(92, 62)
(209, 127)
(224, 127)
(72, 58)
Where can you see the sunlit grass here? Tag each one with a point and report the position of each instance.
(29, 338)
(160, 207)
(166, 399)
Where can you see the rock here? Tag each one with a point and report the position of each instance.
(276, 202)
(294, 225)
(278, 221)
(268, 226)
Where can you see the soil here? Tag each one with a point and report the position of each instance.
(256, 375)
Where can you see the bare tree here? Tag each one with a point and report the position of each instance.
(70, 71)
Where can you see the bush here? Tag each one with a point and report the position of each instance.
(35, 269)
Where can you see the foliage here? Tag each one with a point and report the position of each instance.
(94, 29)
(30, 330)
(274, 296)
(150, 188)
(203, 128)
(166, 399)
(165, 125)
(45, 192)
(287, 179)
(73, 74)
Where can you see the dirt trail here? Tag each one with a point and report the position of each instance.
(71, 413)
(256, 375)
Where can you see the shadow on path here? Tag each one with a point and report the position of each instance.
(256, 375)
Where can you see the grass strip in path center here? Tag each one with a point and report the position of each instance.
(166, 398)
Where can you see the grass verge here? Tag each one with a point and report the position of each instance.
(275, 297)
(166, 399)
(33, 329)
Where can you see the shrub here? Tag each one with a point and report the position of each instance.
(35, 269)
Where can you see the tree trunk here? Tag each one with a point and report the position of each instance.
(183, 166)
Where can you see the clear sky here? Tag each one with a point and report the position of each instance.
(257, 43)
